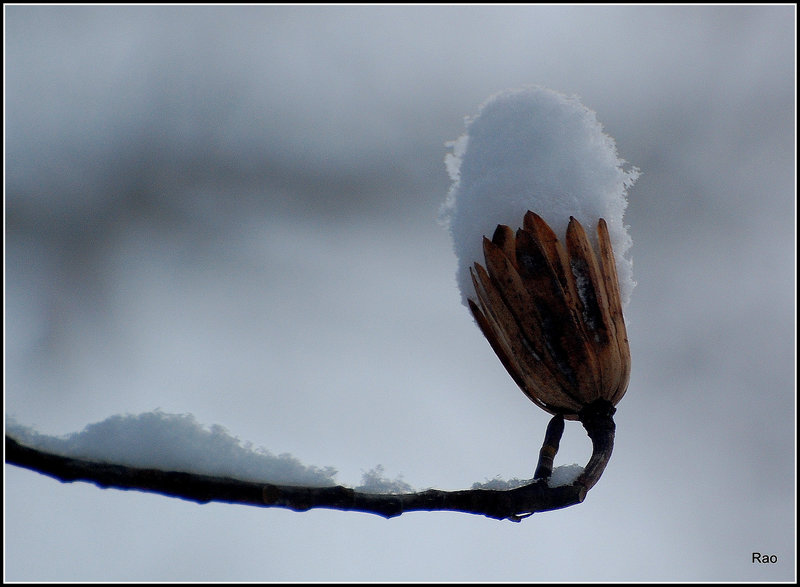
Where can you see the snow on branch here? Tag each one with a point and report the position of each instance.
(174, 455)
(513, 504)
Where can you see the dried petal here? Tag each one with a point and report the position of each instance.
(503, 237)
(593, 303)
(563, 336)
(523, 354)
(609, 269)
(553, 314)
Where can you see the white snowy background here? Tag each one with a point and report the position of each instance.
(230, 212)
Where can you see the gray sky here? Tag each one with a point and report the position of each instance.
(231, 212)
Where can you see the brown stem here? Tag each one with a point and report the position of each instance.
(597, 418)
(552, 437)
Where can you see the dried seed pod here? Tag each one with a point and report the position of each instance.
(553, 314)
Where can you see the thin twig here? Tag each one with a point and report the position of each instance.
(513, 504)
(547, 454)
(598, 420)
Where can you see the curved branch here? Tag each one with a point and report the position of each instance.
(513, 504)
(598, 420)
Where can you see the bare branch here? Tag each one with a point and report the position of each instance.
(598, 420)
(513, 504)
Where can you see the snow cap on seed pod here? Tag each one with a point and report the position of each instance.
(535, 149)
(547, 294)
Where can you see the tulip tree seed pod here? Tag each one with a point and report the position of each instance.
(553, 315)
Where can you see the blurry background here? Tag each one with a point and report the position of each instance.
(231, 212)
